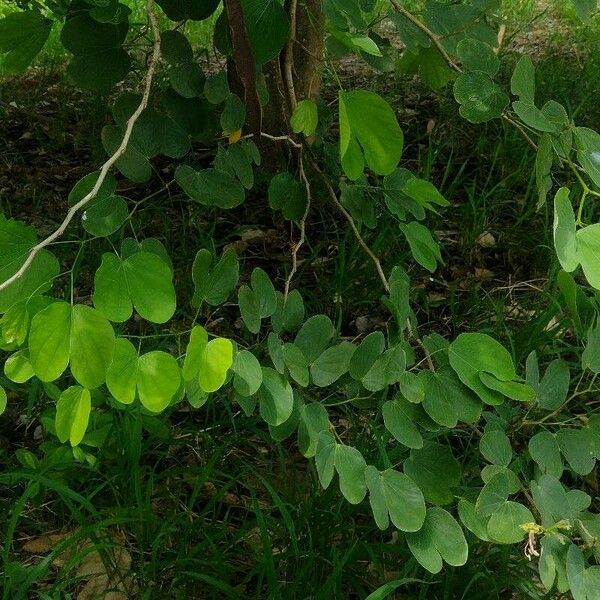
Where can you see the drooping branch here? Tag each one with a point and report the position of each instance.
(110, 161)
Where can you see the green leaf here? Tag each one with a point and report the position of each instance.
(533, 117)
(369, 129)
(472, 353)
(472, 520)
(175, 48)
(366, 354)
(334, 362)
(3, 400)
(305, 118)
(296, 363)
(288, 195)
(399, 421)
(313, 420)
(565, 237)
(249, 308)
(424, 248)
(187, 79)
(545, 451)
(554, 386)
(264, 292)
(194, 352)
(577, 447)
(22, 36)
(314, 336)
(216, 88)
(142, 281)
(435, 470)
(276, 398)
(233, 116)
(73, 414)
(588, 245)
(495, 447)
(395, 496)
(78, 334)
(479, 97)
(325, 458)
(522, 82)
(493, 495)
(155, 376)
(18, 367)
(441, 539)
(211, 187)
(412, 387)
(386, 370)
(268, 27)
(215, 285)
(439, 402)
(587, 142)
(247, 377)
(590, 358)
(350, 466)
(512, 389)
(215, 362)
(504, 526)
(478, 56)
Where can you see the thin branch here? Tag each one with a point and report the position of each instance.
(110, 162)
(302, 224)
(288, 62)
(432, 36)
(350, 220)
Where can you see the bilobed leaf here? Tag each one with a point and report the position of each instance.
(268, 27)
(296, 364)
(386, 370)
(330, 365)
(480, 98)
(313, 420)
(18, 367)
(398, 420)
(587, 142)
(577, 446)
(565, 231)
(350, 466)
(495, 447)
(158, 379)
(143, 281)
(287, 194)
(214, 285)
(493, 495)
(72, 414)
(369, 129)
(195, 350)
(249, 308)
(314, 336)
(247, 376)
(441, 539)
(554, 385)
(22, 36)
(476, 55)
(588, 246)
(504, 526)
(305, 118)
(215, 362)
(545, 451)
(276, 399)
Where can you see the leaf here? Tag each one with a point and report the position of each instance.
(276, 399)
(22, 36)
(435, 470)
(493, 495)
(440, 539)
(522, 82)
(478, 56)
(511, 389)
(268, 27)
(350, 466)
(233, 116)
(577, 447)
(399, 421)
(439, 403)
(18, 367)
(588, 245)
(247, 377)
(395, 494)
(590, 358)
(587, 142)
(366, 354)
(472, 520)
(554, 385)
(78, 334)
(313, 420)
(479, 97)
(16, 241)
(472, 353)
(565, 238)
(215, 362)
(211, 187)
(305, 118)
(249, 308)
(72, 414)
(576, 572)
(314, 336)
(143, 281)
(187, 79)
(215, 285)
(504, 526)
(334, 362)
(3, 400)
(495, 447)
(175, 48)
(288, 195)
(264, 292)
(545, 451)
(325, 458)
(296, 363)
(369, 131)
(386, 370)
(195, 350)
(424, 248)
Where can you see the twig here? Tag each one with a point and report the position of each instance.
(109, 163)
(288, 64)
(350, 220)
(281, 138)
(302, 225)
(432, 36)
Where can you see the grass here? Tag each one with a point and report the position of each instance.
(204, 503)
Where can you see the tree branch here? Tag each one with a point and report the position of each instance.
(111, 160)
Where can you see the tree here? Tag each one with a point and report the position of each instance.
(268, 95)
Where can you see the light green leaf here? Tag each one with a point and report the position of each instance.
(368, 126)
(588, 245)
(3, 400)
(305, 118)
(158, 380)
(72, 414)
(504, 526)
(216, 360)
(424, 248)
(565, 239)
(18, 367)
(195, 350)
